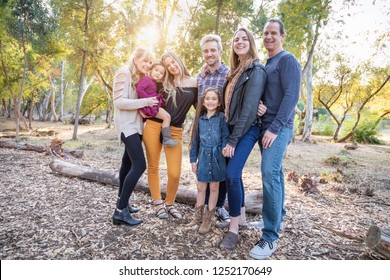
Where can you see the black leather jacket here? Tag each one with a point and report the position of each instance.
(245, 100)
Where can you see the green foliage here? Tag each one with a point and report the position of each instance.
(324, 126)
(366, 133)
(204, 21)
(94, 101)
(300, 19)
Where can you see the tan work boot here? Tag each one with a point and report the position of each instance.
(198, 216)
(207, 221)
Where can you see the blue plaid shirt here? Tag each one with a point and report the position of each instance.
(214, 80)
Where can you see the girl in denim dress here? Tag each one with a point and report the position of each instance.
(209, 135)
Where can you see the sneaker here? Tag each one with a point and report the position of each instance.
(260, 224)
(222, 214)
(263, 249)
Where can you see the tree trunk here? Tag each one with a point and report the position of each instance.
(308, 70)
(31, 111)
(44, 107)
(109, 109)
(53, 99)
(18, 100)
(184, 195)
(309, 104)
(61, 95)
(80, 95)
(37, 148)
(4, 108)
(379, 241)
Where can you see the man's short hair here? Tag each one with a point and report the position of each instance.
(209, 38)
(281, 25)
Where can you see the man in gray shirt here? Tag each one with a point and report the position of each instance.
(280, 97)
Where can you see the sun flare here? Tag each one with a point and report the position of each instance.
(148, 36)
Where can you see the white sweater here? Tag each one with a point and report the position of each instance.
(126, 105)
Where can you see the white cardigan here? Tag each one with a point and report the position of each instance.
(126, 104)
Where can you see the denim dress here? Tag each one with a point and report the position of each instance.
(206, 148)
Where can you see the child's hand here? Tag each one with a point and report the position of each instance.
(228, 151)
(194, 167)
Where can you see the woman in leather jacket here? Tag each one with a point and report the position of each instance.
(241, 98)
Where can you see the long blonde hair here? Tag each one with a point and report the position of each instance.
(169, 81)
(137, 54)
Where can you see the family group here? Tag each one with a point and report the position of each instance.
(236, 108)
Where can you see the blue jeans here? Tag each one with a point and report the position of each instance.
(273, 182)
(235, 165)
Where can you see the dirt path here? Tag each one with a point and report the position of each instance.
(45, 215)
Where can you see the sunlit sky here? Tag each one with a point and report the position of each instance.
(363, 23)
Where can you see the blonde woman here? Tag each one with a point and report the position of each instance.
(180, 93)
(129, 127)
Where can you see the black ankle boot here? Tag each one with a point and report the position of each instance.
(124, 218)
(133, 209)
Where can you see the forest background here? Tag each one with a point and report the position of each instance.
(57, 63)
(58, 58)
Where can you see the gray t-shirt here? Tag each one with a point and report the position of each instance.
(281, 91)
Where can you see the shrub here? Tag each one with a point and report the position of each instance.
(324, 126)
(366, 134)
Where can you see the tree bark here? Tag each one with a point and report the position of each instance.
(53, 98)
(379, 241)
(61, 94)
(309, 104)
(252, 204)
(37, 148)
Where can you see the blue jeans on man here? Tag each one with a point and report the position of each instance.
(273, 182)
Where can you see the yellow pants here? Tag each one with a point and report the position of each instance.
(173, 155)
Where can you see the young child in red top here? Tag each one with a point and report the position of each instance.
(147, 87)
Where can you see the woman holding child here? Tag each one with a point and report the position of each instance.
(129, 127)
(180, 93)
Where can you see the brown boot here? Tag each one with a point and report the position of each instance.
(198, 216)
(207, 221)
(167, 137)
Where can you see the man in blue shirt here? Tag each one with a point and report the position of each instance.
(214, 76)
(280, 97)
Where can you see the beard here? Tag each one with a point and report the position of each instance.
(212, 63)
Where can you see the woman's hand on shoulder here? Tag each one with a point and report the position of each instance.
(190, 82)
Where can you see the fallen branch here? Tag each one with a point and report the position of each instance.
(184, 195)
(37, 148)
(340, 233)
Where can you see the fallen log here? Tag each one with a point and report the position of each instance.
(184, 195)
(379, 241)
(37, 148)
